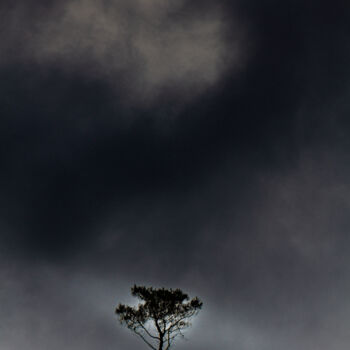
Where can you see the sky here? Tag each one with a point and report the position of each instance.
(201, 145)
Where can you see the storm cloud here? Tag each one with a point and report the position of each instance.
(180, 144)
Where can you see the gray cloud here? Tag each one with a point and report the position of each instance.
(147, 46)
(272, 271)
(242, 199)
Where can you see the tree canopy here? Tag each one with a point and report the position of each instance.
(161, 317)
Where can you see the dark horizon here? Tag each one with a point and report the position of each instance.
(193, 144)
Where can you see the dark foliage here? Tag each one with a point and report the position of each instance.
(162, 316)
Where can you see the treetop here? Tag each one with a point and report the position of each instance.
(162, 316)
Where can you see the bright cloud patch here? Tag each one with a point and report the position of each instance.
(145, 46)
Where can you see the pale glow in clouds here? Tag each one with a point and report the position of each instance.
(141, 47)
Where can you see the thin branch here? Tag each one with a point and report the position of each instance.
(168, 340)
(144, 339)
(177, 322)
(146, 330)
(158, 328)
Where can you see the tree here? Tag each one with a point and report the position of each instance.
(162, 316)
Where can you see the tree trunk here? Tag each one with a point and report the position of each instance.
(161, 342)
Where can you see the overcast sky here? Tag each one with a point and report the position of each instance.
(193, 144)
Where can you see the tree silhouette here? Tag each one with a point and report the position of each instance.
(161, 317)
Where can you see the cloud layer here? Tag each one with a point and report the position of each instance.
(179, 144)
(143, 47)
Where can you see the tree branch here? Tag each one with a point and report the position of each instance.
(145, 340)
(146, 330)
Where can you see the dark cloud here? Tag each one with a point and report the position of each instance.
(187, 145)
